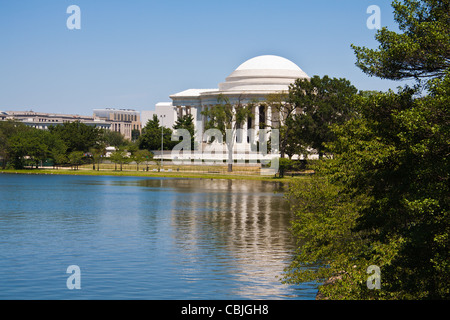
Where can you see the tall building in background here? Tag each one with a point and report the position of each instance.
(122, 120)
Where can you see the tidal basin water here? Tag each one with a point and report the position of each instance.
(144, 238)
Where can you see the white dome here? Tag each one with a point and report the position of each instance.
(263, 73)
(269, 62)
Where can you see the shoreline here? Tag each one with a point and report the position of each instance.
(182, 175)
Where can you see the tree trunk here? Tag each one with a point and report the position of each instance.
(230, 159)
(230, 145)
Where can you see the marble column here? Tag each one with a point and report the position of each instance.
(256, 119)
(205, 119)
(233, 122)
(269, 116)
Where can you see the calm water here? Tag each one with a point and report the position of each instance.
(144, 238)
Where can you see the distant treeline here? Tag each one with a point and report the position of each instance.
(75, 143)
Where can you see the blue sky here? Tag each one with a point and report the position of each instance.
(133, 54)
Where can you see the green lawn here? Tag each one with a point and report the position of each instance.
(217, 174)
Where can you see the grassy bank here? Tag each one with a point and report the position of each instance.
(165, 174)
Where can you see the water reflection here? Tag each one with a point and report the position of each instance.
(147, 238)
(235, 228)
(225, 228)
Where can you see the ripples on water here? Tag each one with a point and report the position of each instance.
(144, 238)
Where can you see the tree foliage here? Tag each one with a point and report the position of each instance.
(384, 197)
(290, 142)
(9, 129)
(113, 138)
(76, 159)
(140, 156)
(321, 102)
(389, 181)
(228, 117)
(77, 136)
(186, 122)
(421, 50)
(150, 139)
(68, 144)
(120, 157)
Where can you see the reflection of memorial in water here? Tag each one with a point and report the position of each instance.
(144, 238)
(242, 224)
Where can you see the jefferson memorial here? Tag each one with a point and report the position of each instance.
(252, 80)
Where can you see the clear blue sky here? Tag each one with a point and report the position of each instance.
(133, 54)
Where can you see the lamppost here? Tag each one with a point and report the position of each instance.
(162, 137)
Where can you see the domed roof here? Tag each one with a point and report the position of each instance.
(263, 73)
(268, 62)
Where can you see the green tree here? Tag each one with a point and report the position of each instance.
(135, 134)
(9, 129)
(421, 50)
(4, 149)
(97, 153)
(384, 195)
(76, 159)
(59, 154)
(57, 149)
(186, 122)
(290, 142)
(148, 157)
(150, 138)
(120, 156)
(113, 138)
(77, 136)
(140, 156)
(322, 102)
(227, 117)
(29, 143)
(327, 246)
(284, 165)
(389, 181)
